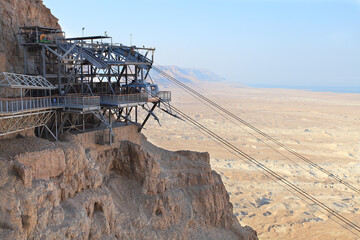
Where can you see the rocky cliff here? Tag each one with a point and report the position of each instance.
(76, 189)
(15, 14)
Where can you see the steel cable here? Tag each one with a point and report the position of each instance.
(203, 98)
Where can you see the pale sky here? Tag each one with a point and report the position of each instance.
(273, 43)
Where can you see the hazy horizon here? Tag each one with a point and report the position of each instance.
(268, 43)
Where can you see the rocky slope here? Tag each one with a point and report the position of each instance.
(14, 14)
(76, 189)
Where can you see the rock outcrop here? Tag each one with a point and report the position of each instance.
(15, 14)
(76, 189)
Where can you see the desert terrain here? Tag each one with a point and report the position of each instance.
(322, 126)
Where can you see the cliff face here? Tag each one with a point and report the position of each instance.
(76, 189)
(15, 14)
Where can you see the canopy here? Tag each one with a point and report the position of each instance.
(13, 80)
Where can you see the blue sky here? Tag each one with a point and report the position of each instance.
(273, 43)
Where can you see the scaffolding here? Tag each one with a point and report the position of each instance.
(85, 81)
(19, 109)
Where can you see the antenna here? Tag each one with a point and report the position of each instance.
(83, 31)
(130, 39)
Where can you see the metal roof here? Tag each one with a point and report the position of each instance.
(87, 38)
(13, 80)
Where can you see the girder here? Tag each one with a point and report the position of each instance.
(84, 70)
(13, 80)
(20, 122)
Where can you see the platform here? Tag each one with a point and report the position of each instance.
(124, 100)
(79, 103)
(16, 105)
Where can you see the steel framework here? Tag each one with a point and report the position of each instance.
(13, 80)
(90, 78)
(24, 121)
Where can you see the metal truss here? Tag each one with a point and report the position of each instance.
(16, 123)
(150, 113)
(72, 121)
(102, 118)
(80, 63)
(123, 114)
(87, 65)
(24, 81)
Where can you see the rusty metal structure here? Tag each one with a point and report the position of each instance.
(79, 82)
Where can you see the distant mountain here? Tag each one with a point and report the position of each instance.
(185, 75)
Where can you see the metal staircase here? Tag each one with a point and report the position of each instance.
(85, 54)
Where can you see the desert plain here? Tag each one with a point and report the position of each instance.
(322, 126)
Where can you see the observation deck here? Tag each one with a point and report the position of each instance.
(79, 102)
(124, 100)
(10, 106)
(72, 84)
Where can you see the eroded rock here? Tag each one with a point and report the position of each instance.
(15, 14)
(124, 191)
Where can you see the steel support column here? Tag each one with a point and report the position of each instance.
(147, 117)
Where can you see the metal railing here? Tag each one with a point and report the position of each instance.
(123, 99)
(79, 100)
(10, 105)
(164, 95)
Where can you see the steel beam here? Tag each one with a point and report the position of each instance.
(147, 117)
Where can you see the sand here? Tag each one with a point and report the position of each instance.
(324, 127)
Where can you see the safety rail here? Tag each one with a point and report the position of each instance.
(164, 95)
(10, 105)
(160, 96)
(124, 99)
(76, 100)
